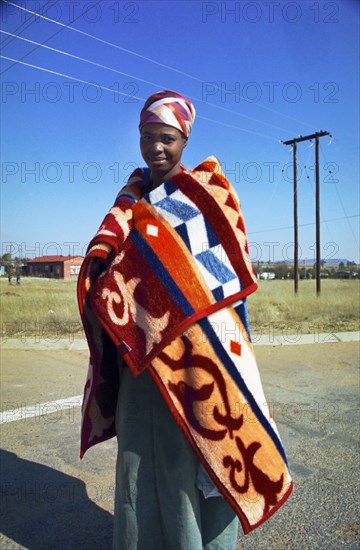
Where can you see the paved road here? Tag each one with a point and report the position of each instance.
(51, 500)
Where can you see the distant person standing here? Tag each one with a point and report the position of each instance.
(11, 273)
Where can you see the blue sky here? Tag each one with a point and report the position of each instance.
(258, 72)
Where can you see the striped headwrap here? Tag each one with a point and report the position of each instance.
(171, 108)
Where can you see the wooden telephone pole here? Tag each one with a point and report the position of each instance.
(294, 143)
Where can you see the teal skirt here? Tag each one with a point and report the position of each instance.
(158, 505)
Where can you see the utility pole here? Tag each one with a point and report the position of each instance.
(296, 239)
(317, 215)
(294, 143)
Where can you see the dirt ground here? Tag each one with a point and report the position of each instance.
(51, 499)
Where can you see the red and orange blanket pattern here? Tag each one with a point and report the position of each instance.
(164, 287)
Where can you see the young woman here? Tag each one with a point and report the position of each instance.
(158, 505)
(162, 294)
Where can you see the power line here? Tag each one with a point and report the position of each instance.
(169, 67)
(8, 41)
(70, 77)
(107, 42)
(302, 225)
(52, 36)
(236, 127)
(62, 52)
(36, 14)
(113, 90)
(312, 187)
(342, 204)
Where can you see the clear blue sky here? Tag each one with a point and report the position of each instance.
(258, 72)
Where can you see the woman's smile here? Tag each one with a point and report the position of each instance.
(161, 148)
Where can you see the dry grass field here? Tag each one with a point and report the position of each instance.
(39, 307)
(48, 307)
(274, 305)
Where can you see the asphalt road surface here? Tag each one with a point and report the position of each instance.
(50, 500)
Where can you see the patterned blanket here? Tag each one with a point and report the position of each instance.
(163, 287)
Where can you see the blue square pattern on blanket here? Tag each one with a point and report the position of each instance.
(215, 266)
(177, 208)
(199, 237)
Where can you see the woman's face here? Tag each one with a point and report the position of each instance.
(161, 148)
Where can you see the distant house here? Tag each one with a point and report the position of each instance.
(267, 275)
(54, 267)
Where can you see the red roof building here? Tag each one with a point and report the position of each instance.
(55, 267)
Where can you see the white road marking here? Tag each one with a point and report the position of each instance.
(23, 411)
